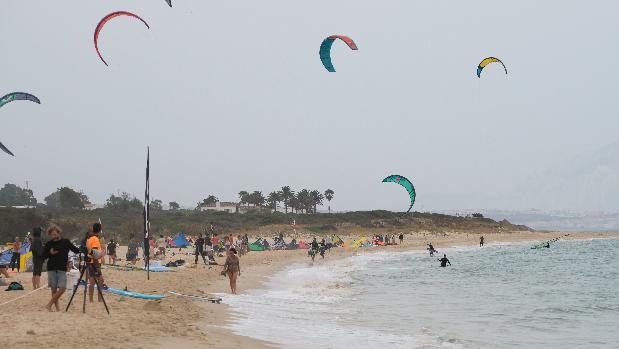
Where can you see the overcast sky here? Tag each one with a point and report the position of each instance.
(231, 95)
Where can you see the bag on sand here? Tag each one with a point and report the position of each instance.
(15, 286)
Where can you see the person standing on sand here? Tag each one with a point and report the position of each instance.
(95, 257)
(481, 241)
(111, 252)
(36, 247)
(56, 251)
(232, 268)
(199, 249)
(132, 251)
(401, 238)
(15, 257)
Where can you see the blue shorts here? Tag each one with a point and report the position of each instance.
(57, 279)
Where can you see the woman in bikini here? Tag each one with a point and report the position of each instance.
(232, 268)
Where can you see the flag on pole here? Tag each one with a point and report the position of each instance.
(146, 214)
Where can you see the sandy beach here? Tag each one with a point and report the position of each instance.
(180, 322)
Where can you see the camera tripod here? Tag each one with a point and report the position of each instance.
(83, 267)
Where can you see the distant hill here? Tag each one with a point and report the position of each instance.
(586, 182)
(16, 222)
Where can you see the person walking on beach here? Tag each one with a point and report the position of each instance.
(401, 238)
(444, 261)
(16, 255)
(232, 268)
(95, 257)
(481, 241)
(36, 247)
(111, 252)
(132, 251)
(56, 251)
(199, 249)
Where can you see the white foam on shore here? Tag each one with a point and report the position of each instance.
(313, 306)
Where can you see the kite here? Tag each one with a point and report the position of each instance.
(169, 2)
(6, 150)
(325, 50)
(487, 61)
(408, 185)
(18, 96)
(107, 19)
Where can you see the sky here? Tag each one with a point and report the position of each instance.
(231, 95)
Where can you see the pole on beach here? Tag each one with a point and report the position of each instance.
(146, 214)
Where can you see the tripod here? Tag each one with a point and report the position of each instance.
(83, 267)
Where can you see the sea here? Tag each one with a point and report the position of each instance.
(499, 296)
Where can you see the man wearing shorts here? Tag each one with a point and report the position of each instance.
(94, 263)
(56, 251)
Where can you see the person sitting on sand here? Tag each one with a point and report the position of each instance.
(444, 261)
(232, 268)
(3, 271)
(56, 251)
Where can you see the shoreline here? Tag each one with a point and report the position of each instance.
(183, 323)
(417, 243)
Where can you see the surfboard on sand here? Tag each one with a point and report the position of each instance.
(199, 298)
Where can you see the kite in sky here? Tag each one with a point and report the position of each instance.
(487, 61)
(6, 150)
(325, 49)
(18, 96)
(408, 185)
(169, 2)
(110, 17)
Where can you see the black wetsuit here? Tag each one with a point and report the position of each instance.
(444, 262)
(200, 250)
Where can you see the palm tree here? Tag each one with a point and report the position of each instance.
(273, 199)
(316, 198)
(287, 195)
(257, 198)
(243, 196)
(294, 204)
(304, 200)
(329, 196)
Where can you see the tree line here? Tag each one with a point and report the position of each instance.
(65, 198)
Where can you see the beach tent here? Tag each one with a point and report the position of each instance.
(258, 245)
(181, 241)
(25, 260)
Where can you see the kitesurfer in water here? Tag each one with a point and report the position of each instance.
(431, 249)
(481, 241)
(444, 261)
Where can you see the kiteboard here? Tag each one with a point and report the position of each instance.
(200, 298)
(120, 292)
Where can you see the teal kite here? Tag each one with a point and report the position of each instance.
(18, 96)
(408, 185)
(325, 50)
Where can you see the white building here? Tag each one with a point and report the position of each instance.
(230, 207)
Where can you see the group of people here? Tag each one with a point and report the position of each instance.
(387, 239)
(56, 252)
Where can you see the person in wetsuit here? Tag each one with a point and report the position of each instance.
(431, 249)
(444, 261)
(481, 241)
(199, 250)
